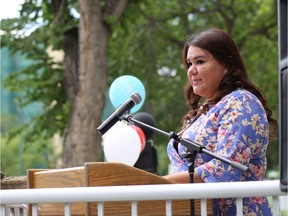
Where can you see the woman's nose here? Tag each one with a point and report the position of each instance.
(192, 70)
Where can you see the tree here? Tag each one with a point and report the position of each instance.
(82, 143)
(58, 28)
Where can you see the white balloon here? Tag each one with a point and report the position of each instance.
(122, 144)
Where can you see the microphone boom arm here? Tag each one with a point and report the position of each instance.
(190, 145)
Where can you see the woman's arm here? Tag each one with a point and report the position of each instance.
(183, 177)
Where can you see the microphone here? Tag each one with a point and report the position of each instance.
(134, 99)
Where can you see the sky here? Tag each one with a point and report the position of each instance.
(10, 8)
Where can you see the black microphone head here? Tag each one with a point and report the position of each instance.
(136, 98)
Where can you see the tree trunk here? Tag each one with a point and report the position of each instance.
(82, 143)
(71, 63)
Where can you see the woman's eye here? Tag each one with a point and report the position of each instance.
(200, 62)
(189, 64)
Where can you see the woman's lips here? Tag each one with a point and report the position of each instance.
(196, 82)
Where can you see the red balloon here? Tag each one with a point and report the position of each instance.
(141, 135)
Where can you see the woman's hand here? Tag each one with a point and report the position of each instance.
(183, 177)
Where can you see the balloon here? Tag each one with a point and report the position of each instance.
(121, 144)
(147, 119)
(141, 136)
(121, 89)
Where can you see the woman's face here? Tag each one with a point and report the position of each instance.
(204, 72)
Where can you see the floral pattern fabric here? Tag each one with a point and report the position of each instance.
(235, 128)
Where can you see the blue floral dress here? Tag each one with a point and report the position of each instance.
(235, 128)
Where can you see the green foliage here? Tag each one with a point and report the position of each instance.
(42, 81)
(16, 158)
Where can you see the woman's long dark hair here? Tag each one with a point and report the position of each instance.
(222, 47)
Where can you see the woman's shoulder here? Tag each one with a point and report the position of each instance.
(240, 98)
(241, 94)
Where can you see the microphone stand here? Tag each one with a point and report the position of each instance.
(192, 149)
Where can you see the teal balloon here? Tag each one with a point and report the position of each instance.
(121, 89)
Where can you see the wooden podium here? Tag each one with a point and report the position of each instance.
(105, 174)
